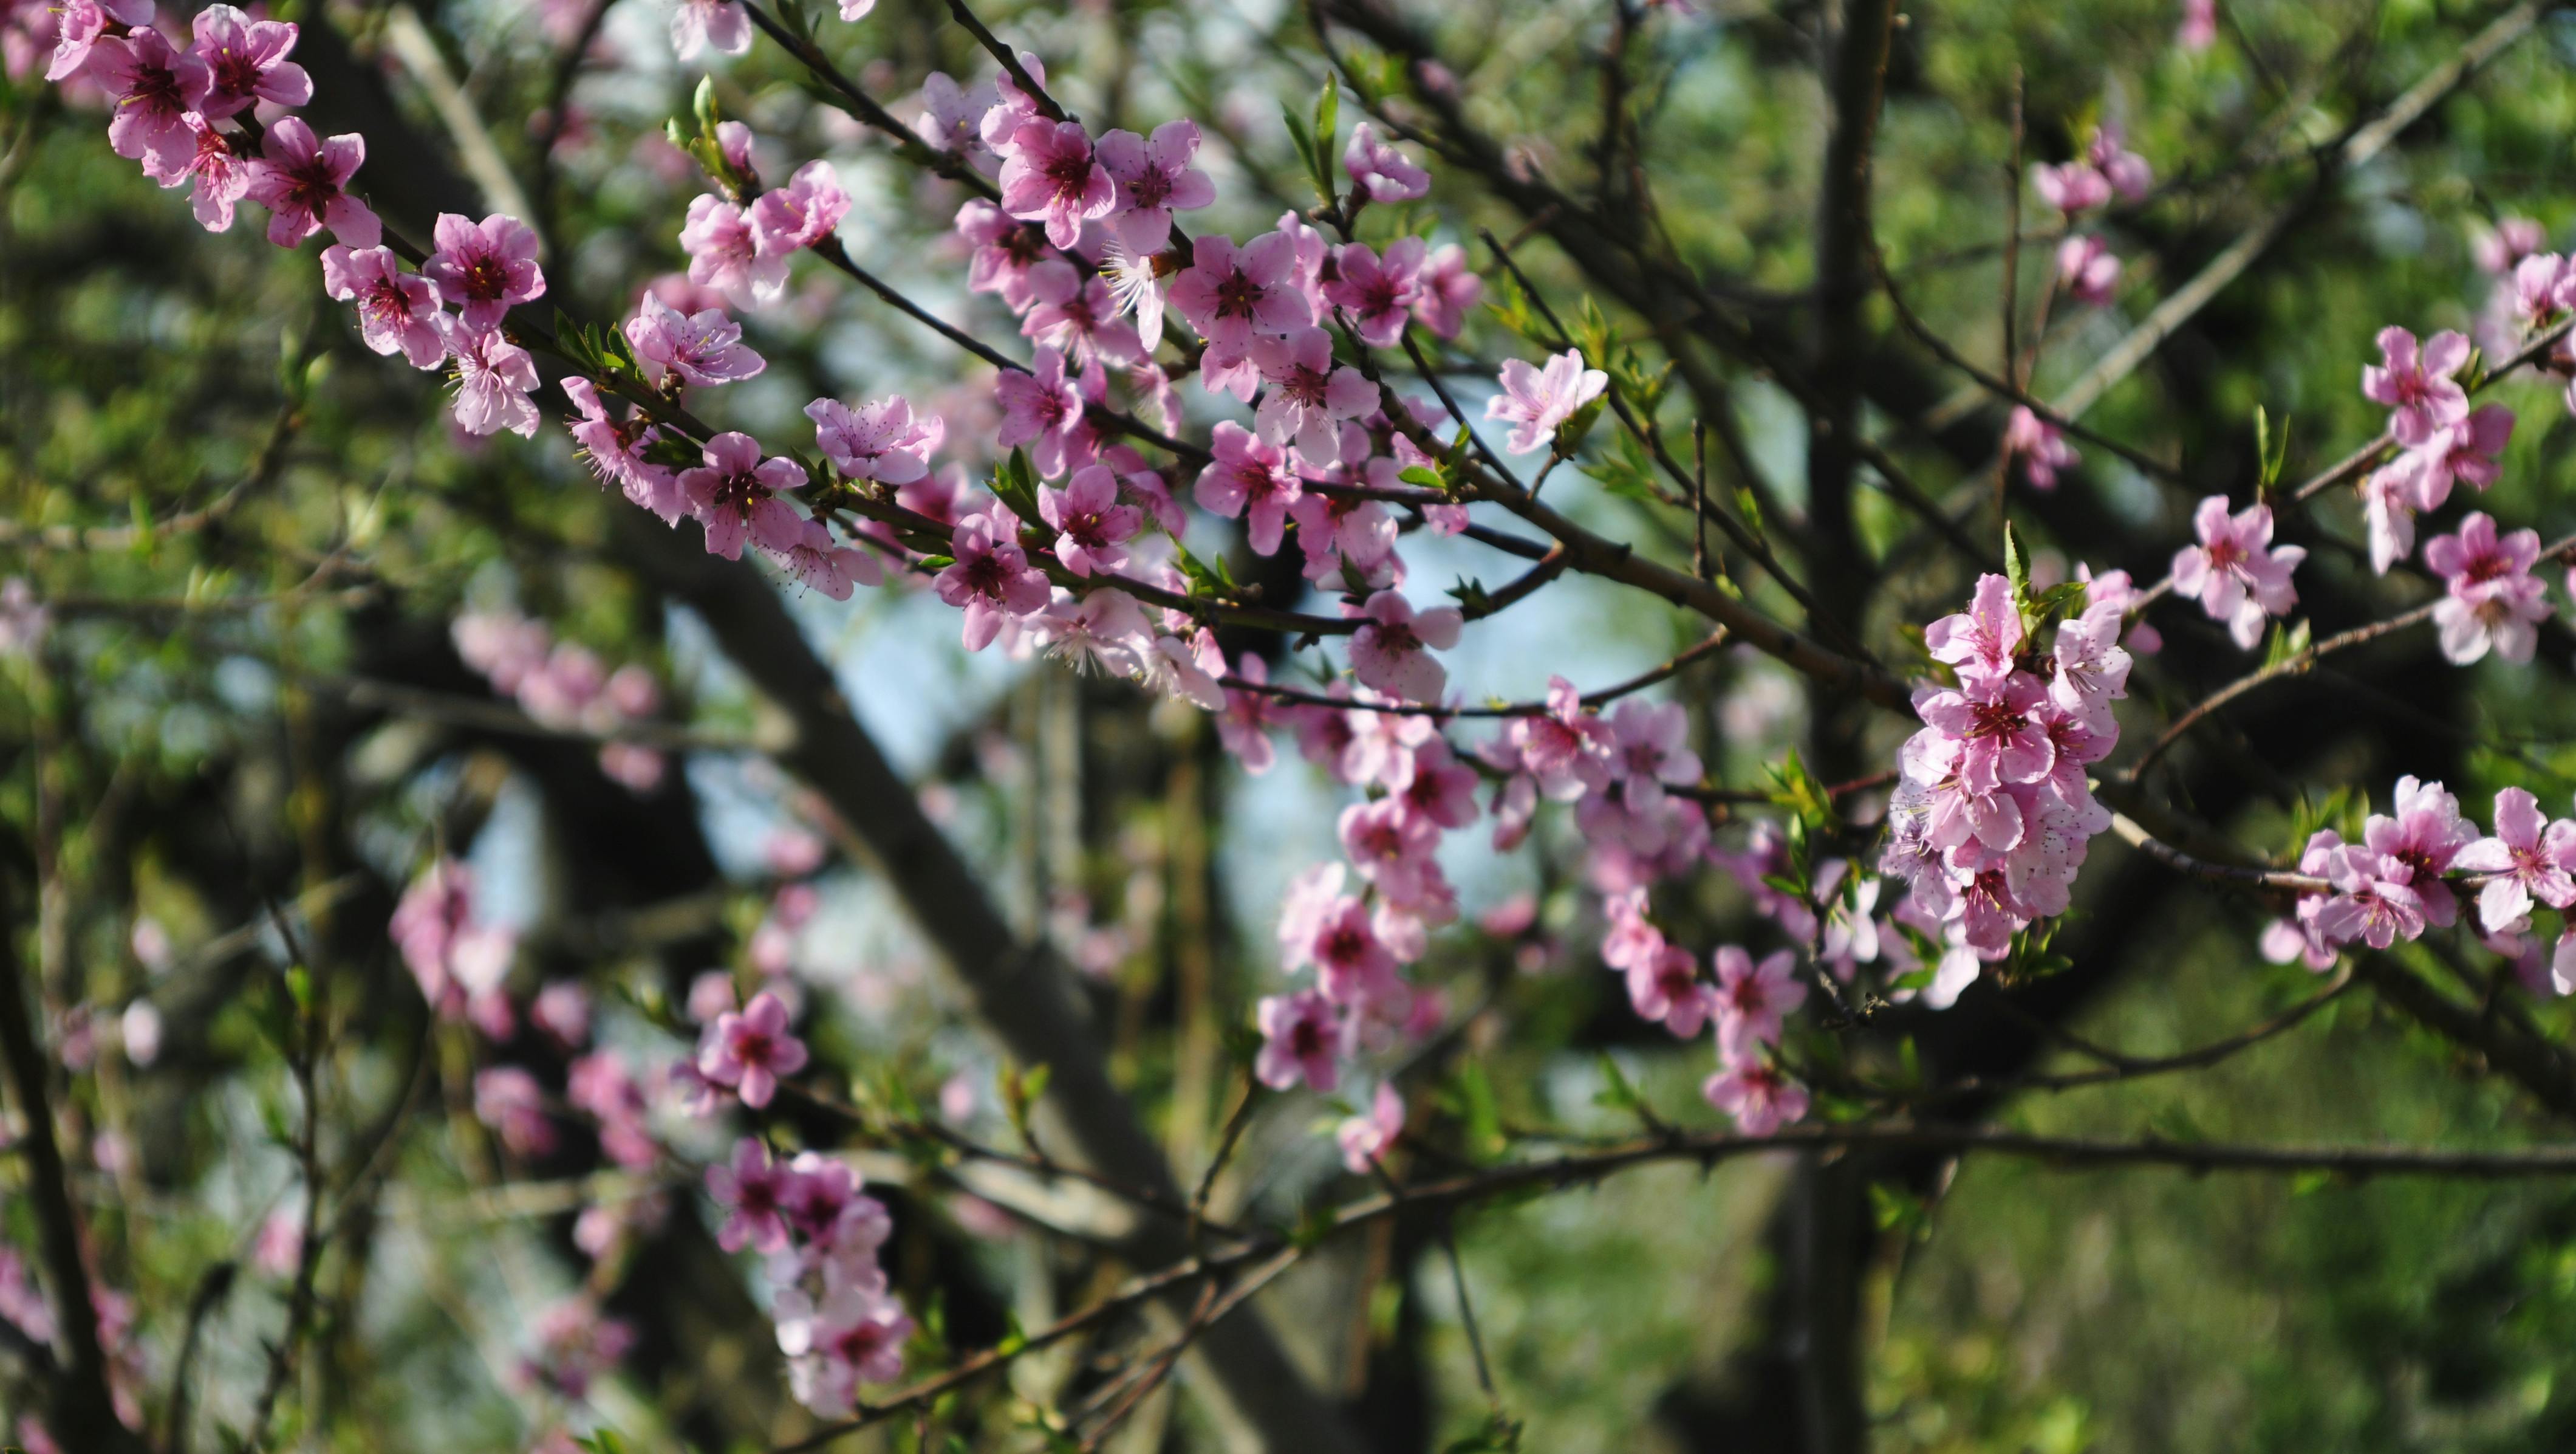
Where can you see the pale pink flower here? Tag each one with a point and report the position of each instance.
(615, 450)
(2072, 188)
(2464, 450)
(751, 1050)
(1309, 395)
(723, 254)
(1250, 477)
(1092, 527)
(1052, 177)
(1568, 750)
(1378, 295)
(855, 1336)
(1752, 998)
(2235, 572)
(1445, 289)
(2092, 671)
(397, 311)
(80, 25)
(1980, 641)
(1155, 179)
(1105, 628)
(991, 579)
(2492, 600)
(1537, 401)
(1044, 409)
(2126, 171)
(2539, 291)
(1391, 848)
(1649, 751)
(2528, 858)
(574, 1347)
(493, 380)
(2039, 445)
(753, 1192)
(952, 119)
(1079, 317)
(820, 562)
(1244, 726)
(1382, 171)
(299, 178)
(883, 440)
(221, 175)
(150, 80)
(1365, 1140)
(700, 25)
(2374, 900)
(824, 1207)
(734, 494)
(1353, 965)
(1388, 653)
(1303, 1039)
(2088, 270)
(1665, 987)
(484, 268)
(2388, 512)
(2426, 834)
(2498, 249)
(1229, 293)
(1004, 251)
(509, 1100)
(2199, 28)
(702, 348)
(801, 214)
(2417, 384)
(1437, 786)
(245, 63)
(1757, 1094)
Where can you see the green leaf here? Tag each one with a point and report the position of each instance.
(2016, 565)
(938, 562)
(1302, 138)
(1422, 475)
(1328, 116)
(1017, 484)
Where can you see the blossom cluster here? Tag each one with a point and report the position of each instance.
(1993, 812)
(564, 684)
(838, 1323)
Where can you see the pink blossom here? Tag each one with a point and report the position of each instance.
(2466, 449)
(1757, 1094)
(991, 579)
(820, 562)
(1187, 667)
(2235, 574)
(509, 1100)
(299, 178)
(1382, 171)
(1352, 964)
(2374, 900)
(2528, 858)
(1538, 401)
(699, 25)
(615, 451)
(854, 1337)
(493, 380)
(1981, 641)
(221, 175)
(574, 1346)
(1092, 527)
(801, 214)
(1391, 848)
(2426, 834)
(1567, 751)
(751, 1050)
(1303, 1039)
(1379, 296)
(882, 440)
(80, 24)
(599, 1085)
(2126, 171)
(2199, 28)
(245, 63)
(1365, 1140)
(1135, 284)
(2492, 600)
(484, 268)
(1387, 652)
(1228, 293)
(2039, 445)
(1244, 726)
(2510, 241)
(1079, 317)
(753, 1192)
(1045, 409)
(1994, 737)
(397, 311)
(1751, 998)
(1648, 750)
(724, 254)
(1250, 477)
(734, 494)
(1336, 530)
(1437, 786)
(1309, 395)
(2539, 291)
(1004, 251)
(1154, 180)
(1053, 177)
(824, 1207)
(1104, 628)
(703, 348)
(1665, 987)
(952, 119)
(2417, 385)
(2072, 188)
(1445, 289)
(150, 81)
(2088, 270)
(2388, 511)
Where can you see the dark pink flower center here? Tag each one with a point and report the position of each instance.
(1237, 295)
